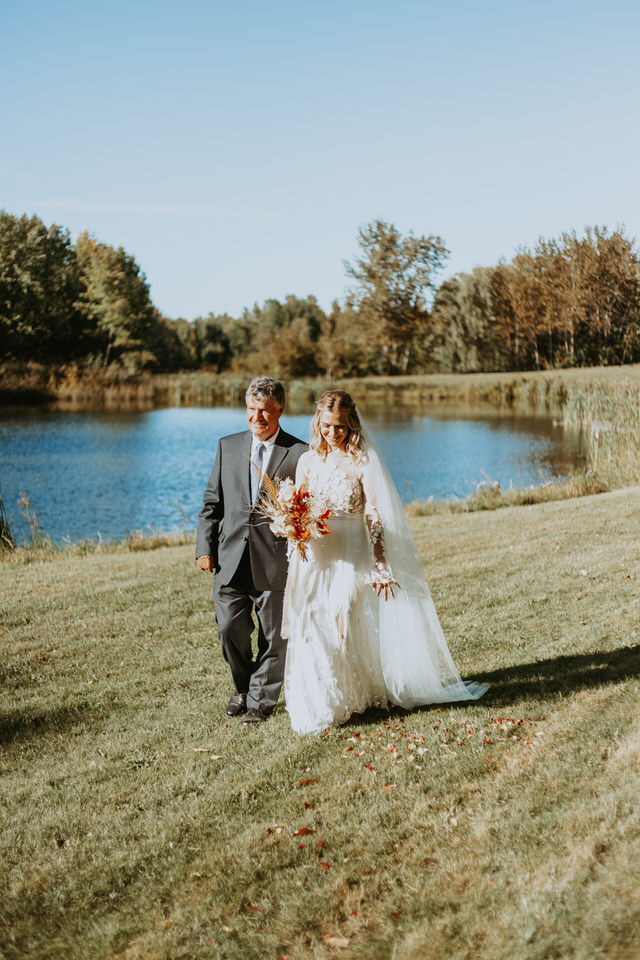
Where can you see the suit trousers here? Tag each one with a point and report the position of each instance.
(260, 678)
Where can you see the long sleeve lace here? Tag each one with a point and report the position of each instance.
(381, 571)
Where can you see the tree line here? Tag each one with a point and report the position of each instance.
(574, 301)
(570, 302)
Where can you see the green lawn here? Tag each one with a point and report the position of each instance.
(138, 822)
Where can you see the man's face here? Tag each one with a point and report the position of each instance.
(263, 415)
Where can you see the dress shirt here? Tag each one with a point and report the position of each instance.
(268, 444)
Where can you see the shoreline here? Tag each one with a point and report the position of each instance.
(488, 498)
(69, 389)
(602, 401)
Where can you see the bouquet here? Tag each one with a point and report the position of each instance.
(293, 514)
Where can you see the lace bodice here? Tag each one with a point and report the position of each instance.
(345, 486)
(336, 483)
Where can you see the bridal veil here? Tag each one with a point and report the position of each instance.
(416, 663)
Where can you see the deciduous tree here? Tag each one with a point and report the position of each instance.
(394, 277)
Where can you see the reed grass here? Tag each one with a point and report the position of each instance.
(70, 388)
(38, 539)
(136, 541)
(489, 495)
(610, 416)
(7, 541)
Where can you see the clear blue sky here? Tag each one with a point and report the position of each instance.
(234, 148)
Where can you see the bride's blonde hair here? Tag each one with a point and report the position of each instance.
(338, 401)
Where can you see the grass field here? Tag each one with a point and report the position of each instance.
(139, 823)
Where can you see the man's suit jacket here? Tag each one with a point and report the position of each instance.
(228, 524)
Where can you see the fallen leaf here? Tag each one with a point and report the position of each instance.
(305, 783)
(337, 941)
(197, 876)
(324, 865)
(303, 831)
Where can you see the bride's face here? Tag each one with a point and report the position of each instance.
(334, 430)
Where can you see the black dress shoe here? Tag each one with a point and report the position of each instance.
(254, 715)
(237, 704)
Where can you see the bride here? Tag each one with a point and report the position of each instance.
(361, 625)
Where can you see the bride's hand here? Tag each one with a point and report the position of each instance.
(386, 587)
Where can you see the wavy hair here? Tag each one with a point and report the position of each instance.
(266, 388)
(338, 401)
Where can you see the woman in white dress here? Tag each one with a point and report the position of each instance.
(361, 626)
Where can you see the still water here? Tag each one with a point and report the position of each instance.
(106, 474)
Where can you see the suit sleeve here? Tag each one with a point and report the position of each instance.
(211, 514)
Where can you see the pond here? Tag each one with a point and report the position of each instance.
(91, 475)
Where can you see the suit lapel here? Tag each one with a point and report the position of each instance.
(245, 467)
(277, 456)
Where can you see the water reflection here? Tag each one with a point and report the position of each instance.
(105, 474)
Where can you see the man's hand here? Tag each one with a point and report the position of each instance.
(205, 563)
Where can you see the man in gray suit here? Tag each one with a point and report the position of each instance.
(249, 562)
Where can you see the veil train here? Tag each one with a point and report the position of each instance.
(416, 662)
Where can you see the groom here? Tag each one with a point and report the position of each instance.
(250, 563)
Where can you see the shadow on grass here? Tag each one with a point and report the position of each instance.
(561, 676)
(22, 726)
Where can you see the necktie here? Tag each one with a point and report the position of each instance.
(256, 474)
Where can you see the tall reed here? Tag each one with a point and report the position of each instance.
(7, 541)
(37, 537)
(609, 413)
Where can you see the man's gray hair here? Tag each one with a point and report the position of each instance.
(263, 388)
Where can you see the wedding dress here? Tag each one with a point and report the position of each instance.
(347, 648)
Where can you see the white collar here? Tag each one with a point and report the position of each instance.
(268, 443)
